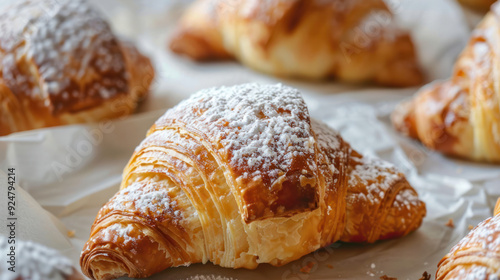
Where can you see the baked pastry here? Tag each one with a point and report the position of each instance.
(354, 41)
(240, 176)
(480, 5)
(34, 261)
(461, 116)
(61, 64)
(476, 256)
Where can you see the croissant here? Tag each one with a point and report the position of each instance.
(240, 176)
(461, 116)
(352, 40)
(476, 256)
(61, 64)
(33, 261)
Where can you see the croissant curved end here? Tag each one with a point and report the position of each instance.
(122, 249)
(98, 265)
(401, 219)
(403, 119)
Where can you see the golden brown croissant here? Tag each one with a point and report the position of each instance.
(29, 261)
(240, 176)
(461, 116)
(353, 40)
(61, 64)
(476, 256)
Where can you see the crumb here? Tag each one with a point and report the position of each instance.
(329, 266)
(450, 223)
(385, 277)
(307, 268)
(373, 266)
(425, 276)
(471, 227)
(71, 233)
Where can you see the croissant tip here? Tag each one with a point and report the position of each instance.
(186, 43)
(497, 208)
(403, 118)
(101, 266)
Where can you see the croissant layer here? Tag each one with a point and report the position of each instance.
(240, 176)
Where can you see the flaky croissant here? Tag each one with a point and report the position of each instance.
(461, 116)
(61, 64)
(476, 256)
(352, 40)
(240, 176)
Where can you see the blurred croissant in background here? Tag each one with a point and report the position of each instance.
(351, 40)
(61, 64)
(461, 116)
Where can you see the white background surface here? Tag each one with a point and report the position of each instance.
(72, 171)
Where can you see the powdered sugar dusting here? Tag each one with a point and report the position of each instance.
(482, 242)
(369, 181)
(329, 137)
(146, 198)
(34, 261)
(485, 236)
(69, 43)
(115, 231)
(265, 138)
(260, 127)
(376, 174)
(477, 273)
(261, 135)
(374, 186)
(330, 141)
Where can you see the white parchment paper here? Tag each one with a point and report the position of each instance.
(68, 173)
